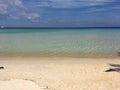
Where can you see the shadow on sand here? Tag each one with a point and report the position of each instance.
(116, 68)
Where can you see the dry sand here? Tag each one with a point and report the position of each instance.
(58, 74)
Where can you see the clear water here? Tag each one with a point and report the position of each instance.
(90, 42)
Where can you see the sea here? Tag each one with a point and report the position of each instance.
(60, 42)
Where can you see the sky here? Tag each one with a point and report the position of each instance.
(60, 13)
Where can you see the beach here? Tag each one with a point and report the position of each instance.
(59, 44)
(59, 59)
(58, 74)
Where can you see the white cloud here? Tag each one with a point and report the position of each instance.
(19, 4)
(101, 9)
(13, 17)
(31, 16)
(3, 9)
(72, 3)
(15, 9)
(14, 3)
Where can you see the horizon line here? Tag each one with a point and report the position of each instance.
(52, 27)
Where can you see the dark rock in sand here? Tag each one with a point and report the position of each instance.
(115, 69)
(1, 67)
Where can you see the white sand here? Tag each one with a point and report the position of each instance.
(19, 85)
(58, 74)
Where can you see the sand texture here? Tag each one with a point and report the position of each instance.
(58, 74)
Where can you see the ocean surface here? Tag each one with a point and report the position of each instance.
(72, 42)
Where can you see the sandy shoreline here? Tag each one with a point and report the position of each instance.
(58, 74)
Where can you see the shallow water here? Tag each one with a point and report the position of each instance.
(89, 42)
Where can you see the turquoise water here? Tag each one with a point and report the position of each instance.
(89, 42)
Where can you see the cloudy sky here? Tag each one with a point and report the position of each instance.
(60, 13)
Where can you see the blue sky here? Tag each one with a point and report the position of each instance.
(60, 13)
